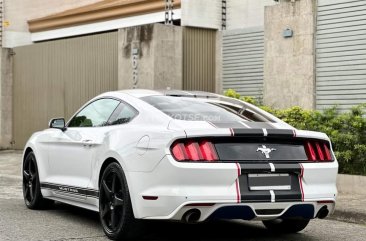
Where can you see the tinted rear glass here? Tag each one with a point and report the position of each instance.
(190, 109)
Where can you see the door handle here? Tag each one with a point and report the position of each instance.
(87, 143)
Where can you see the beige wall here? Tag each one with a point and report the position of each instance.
(199, 59)
(246, 13)
(289, 77)
(17, 12)
(219, 62)
(54, 79)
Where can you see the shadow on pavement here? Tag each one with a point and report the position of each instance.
(170, 231)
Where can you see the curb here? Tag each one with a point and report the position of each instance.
(349, 216)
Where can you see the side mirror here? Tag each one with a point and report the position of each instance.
(58, 123)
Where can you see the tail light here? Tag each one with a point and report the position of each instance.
(318, 151)
(193, 150)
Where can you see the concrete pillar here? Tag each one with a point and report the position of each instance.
(289, 76)
(6, 99)
(150, 57)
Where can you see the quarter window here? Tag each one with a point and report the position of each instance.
(95, 114)
(123, 114)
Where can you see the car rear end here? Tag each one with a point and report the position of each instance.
(211, 171)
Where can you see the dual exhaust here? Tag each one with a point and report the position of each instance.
(193, 215)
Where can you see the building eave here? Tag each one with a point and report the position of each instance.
(97, 12)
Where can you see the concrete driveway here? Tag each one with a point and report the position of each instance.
(64, 222)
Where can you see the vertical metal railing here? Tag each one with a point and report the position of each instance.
(169, 7)
(223, 15)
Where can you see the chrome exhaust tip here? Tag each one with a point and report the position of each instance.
(323, 212)
(191, 216)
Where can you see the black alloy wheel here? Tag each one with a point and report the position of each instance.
(115, 209)
(31, 186)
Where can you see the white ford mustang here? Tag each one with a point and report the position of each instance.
(177, 155)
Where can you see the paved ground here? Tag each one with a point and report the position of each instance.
(64, 222)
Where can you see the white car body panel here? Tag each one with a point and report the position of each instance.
(71, 161)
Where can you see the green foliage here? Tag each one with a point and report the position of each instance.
(233, 94)
(346, 130)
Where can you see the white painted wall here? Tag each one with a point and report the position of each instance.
(201, 13)
(208, 13)
(195, 13)
(102, 26)
(246, 13)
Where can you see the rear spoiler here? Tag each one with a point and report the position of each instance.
(244, 132)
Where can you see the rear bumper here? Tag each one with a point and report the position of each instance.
(180, 187)
(255, 211)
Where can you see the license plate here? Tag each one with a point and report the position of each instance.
(260, 182)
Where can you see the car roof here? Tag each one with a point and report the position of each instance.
(139, 93)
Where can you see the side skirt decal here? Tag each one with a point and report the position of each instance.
(71, 190)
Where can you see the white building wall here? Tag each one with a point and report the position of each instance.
(18, 12)
(246, 13)
(201, 13)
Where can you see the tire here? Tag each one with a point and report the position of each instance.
(115, 208)
(31, 186)
(286, 225)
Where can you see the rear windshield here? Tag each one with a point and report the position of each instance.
(190, 109)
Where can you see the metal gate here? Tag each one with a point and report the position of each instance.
(53, 79)
(243, 53)
(341, 53)
(199, 59)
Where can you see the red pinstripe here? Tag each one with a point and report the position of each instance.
(238, 195)
(300, 181)
(209, 122)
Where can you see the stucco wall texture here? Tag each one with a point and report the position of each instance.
(159, 61)
(289, 77)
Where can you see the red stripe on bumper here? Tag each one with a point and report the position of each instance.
(238, 195)
(300, 181)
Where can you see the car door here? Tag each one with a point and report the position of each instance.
(71, 152)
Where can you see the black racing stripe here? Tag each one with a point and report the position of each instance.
(288, 168)
(293, 195)
(248, 132)
(259, 125)
(71, 190)
(255, 168)
(252, 196)
(283, 133)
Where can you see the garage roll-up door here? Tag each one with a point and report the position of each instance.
(243, 52)
(341, 53)
(53, 79)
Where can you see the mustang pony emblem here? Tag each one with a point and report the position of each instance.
(265, 151)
